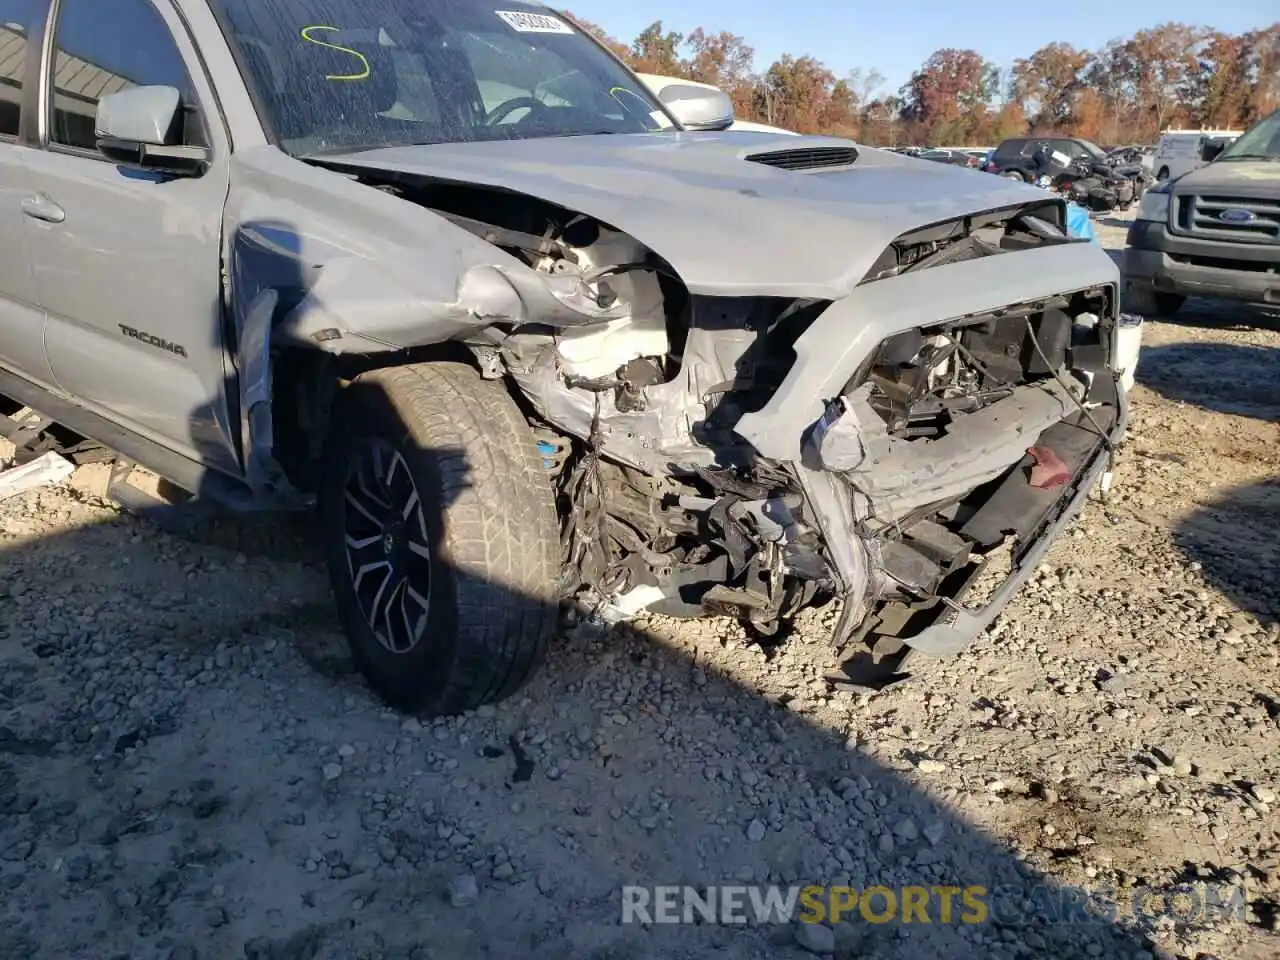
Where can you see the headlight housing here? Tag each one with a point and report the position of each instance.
(1155, 204)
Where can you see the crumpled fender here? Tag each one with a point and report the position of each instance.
(357, 305)
(315, 258)
(360, 270)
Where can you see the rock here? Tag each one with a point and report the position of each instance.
(931, 766)
(847, 936)
(332, 771)
(815, 938)
(755, 830)
(464, 891)
(19, 851)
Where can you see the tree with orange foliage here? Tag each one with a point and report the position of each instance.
(657, 51)
(1261, 55)
(1089, 120)
(723, 60)
(1047, 85)
(947, 97)
(1163, 61)
(1126, 92)
(796, 94)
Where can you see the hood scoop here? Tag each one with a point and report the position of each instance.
(807, 158)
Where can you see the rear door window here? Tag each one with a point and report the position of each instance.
(1071, 149)
(1010, 149)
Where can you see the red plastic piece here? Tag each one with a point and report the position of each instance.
(1047, 470)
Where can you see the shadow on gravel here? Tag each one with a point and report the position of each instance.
(1237, 379)
(178, 779)
(1224, 315)
(1236, 540)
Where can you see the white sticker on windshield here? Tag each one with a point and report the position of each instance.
(524, 22)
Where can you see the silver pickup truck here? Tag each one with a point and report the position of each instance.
(522, 332)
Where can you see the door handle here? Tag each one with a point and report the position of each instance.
(41, 207)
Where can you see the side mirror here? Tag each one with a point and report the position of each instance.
(140, 127)
(698, 108)
(1212, 149)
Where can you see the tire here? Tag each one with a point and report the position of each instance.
(1014, 175)
(465, 618)
(1150, 303)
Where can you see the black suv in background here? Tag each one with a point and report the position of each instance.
(1015, 157)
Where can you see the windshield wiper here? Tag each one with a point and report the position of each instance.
(1251, 156)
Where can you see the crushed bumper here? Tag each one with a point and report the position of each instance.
(958, 627)
(844, 338)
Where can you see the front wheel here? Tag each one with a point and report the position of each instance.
(441, 537)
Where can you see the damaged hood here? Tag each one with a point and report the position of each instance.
(727, 224)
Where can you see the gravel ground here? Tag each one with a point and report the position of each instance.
(189, 767)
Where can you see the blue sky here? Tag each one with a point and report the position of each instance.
(896, 37)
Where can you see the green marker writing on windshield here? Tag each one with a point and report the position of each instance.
(362, 75)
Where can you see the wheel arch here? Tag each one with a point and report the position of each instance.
(305, 381)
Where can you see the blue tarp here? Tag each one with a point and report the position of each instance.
(1078, 222)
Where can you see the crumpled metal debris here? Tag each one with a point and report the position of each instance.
(43, 471)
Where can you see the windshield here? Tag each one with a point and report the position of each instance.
(355, 74)
(1259, 142)
(1092, 148)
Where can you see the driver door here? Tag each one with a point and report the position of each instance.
(128, 264)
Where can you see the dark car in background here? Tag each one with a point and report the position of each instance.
(956, 158)
(1015, 157)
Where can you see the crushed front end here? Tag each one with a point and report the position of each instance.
(749, 456)
(945, 423)
(912, 448)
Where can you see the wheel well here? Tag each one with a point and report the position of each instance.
(304, 385)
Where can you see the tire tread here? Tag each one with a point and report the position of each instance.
(502, 538)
